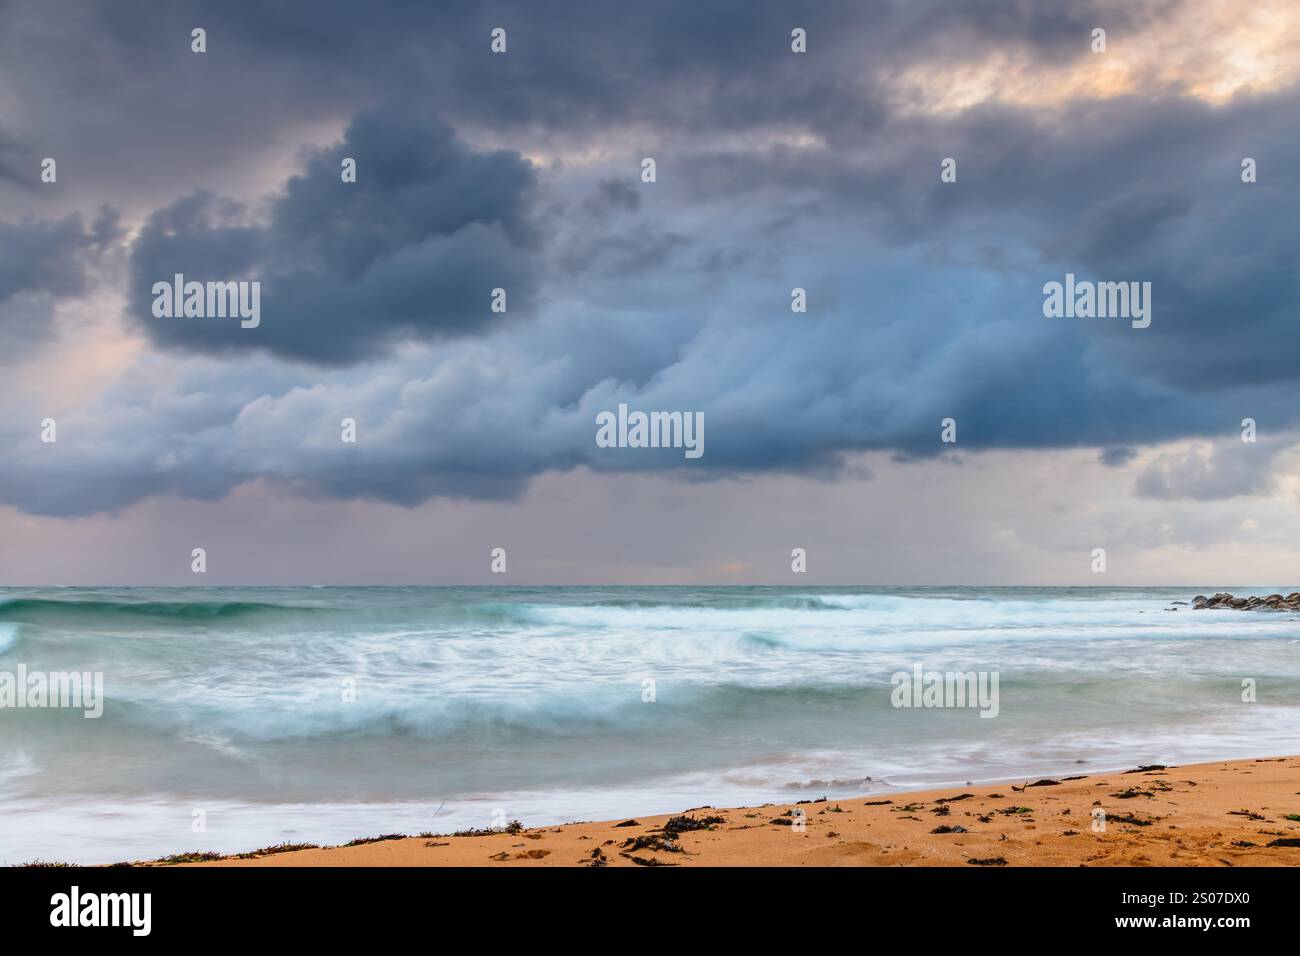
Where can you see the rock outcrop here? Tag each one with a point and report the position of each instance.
(1225, 601)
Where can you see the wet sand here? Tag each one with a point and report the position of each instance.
(1216, 814)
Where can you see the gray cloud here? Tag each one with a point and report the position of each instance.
(1228, 469)
(614, 195)
(1117, 456)
(121, 79)
(42, 261)
(411, 250)
(775, 171)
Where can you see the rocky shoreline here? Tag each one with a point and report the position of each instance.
(1225, 601)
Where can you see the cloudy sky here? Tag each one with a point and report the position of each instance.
(774, 170)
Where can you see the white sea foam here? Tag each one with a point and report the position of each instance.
(533, 699)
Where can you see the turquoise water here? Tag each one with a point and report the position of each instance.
(322, 714)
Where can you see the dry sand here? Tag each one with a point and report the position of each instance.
(1216, 814)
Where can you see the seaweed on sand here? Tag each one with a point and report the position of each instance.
(362, 841)
(686, 824)
(513, 827)
(197, 856)
(652, 841)
(1129, 818)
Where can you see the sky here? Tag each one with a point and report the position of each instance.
(774, 170)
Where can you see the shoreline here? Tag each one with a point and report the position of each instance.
(1221, 813)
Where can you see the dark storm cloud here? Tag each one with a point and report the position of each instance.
(11, 161)
(42, 256)
(776, 171)
(41, 261)
(613, 195)
(116, 84)
(1133, 190)
(411, 250)
(1117, 456)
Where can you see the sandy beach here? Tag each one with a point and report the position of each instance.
(1234, 813)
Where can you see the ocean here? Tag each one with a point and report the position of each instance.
(236, 718)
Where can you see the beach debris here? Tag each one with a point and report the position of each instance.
(941, 811)
(362, 841)
(652, 841)
(1148, 768)
(435, 843)
(513, 827)
(960, 796)
(1045, 783)
(1248, 814)
(1285, 841)
(1014, 811)
(532, 854)
(947, 829)
(278, 848)
(1244, 844)
(687, 824)
(500, 857)
(1132, 792)
(988, 861)
(782, 822)
(1129, 818)
(597, 858)
(195, 856)
(628, 823)
(877, 803)
(647, 861)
